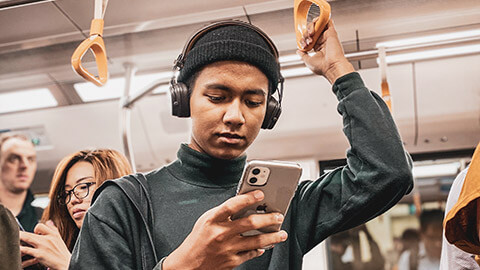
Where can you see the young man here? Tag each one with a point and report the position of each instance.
(18, 165)
(231, 72)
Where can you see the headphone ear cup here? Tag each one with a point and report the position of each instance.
(274, 109)
(180, 99)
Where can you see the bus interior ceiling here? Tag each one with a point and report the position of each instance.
(436, 102)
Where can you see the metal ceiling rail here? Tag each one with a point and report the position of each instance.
(7, 4)
(126, 104)
(373, 53)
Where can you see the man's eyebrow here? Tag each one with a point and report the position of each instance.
(255, 92)
(219, 86)
(223, 87)
(20, 155)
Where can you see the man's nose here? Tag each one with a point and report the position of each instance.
(24, 162)
(234, 114)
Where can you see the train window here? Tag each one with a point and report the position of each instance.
(391, 239)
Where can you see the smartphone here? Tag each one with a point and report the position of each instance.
(22, 243)
(278, 180)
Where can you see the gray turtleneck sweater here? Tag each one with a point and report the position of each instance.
(378, 174)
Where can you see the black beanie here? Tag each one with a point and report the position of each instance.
(231, 42)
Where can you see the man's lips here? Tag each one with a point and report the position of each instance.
(230, 138)
(22, 176)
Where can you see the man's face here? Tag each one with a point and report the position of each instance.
(18, 164)
(227, 106)
(432, 238)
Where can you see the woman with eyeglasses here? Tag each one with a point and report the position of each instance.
(74, 182)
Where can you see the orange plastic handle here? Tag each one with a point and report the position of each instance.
(300, 12)
(386, 95)
(96, 44)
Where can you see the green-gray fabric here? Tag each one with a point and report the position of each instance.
(29, 215)
(378, 174)
(9, 241)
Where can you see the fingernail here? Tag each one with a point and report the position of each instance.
(49, 222)
(261, 251)
(302, 42)
(258, 195)
(283, 235)
(279, 217)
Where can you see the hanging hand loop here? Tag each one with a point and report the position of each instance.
(96, 45)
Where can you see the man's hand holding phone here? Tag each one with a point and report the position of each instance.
(216, 242)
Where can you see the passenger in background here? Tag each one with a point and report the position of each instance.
(454, 258)
(74, 182)
(425, 255)
(9, 250)
(462, 222)
(393, 254)
(341, 241)
(18, 164)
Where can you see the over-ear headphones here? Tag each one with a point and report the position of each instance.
(180, 93)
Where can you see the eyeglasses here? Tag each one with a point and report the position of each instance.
(79, 190)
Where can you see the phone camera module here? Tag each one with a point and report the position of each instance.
(256, 171)
(253, 180)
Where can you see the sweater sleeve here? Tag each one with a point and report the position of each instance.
(377, 174)
(103, 242)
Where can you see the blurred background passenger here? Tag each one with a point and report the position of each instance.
(339, 244)
(462, 223)
(9, 248)
(452, 257)
(425, 255)
(18, 164)
(393, 254)
(76, 178)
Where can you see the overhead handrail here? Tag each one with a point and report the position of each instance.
(96, 44)
(126, 104)
(302, 11)
(125, 115)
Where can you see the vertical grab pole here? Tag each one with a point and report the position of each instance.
(125, 115)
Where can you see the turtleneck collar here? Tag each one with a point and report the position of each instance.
(203, 170)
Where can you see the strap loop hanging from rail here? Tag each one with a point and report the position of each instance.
(382, 55)
(96, 45)
(302, 11)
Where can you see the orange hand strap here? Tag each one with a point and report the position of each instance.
(382, 55)
(300, 12)
(96, 45)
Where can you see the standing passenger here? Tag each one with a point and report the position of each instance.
(231, 71)
(18, 164)
(426, 254)
(76, 178)
(9, 250)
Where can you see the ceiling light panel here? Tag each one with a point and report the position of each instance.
(114, 88)
(27, 100)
